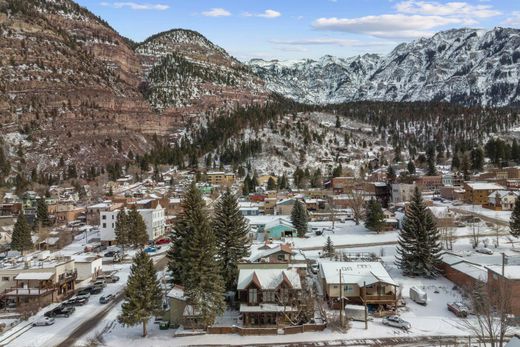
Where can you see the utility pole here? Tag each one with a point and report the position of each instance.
(503, 263)
(342, 307)
(365, 303)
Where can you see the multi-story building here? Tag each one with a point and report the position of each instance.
(402, 192)
(153, 218)
(40, 281)
(220, 178)
(477, 193)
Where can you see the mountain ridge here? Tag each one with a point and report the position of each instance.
(457, 65)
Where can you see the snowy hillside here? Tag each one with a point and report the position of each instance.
(469, 66)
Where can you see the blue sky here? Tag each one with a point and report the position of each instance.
(293, 29)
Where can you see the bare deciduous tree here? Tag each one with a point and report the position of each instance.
(491, 307)
(357, 203)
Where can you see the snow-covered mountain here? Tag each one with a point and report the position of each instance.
(469, 66)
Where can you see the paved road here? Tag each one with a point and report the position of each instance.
(92, 322)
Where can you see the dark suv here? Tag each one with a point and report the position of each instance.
(60, 311)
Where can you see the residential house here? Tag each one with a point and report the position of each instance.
(268, 296)
(502, 200)
(279, 228)
(94, 211)
(285, 206)
(342, 185)
(380, 191)
(177, 306)
(452, 193)
(358, 282)
(278, 253)
(477, 193)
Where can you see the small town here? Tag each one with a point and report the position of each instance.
(324, 263)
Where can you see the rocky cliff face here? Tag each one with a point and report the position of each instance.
(467, 66)
(75, 89)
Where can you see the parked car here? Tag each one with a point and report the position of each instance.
(77, 301)
(84, 293)
(459, 309)
(96, 289)
(484, 250)
(151, 249)
(397, 322)
(163, 241)
(100, 283)
(105, 299)
(108, 278)
(60, 311)
(43, 321)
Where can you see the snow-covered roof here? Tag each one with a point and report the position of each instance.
(267, 308)
(502, 193)
(511, 272)
(360, 273)
(279, 221)
(176, 292)
(99, 206)
(268, 278)
(267, 252)
(36, 276)
(475, 271)
(484, 186)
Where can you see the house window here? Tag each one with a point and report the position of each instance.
(104, 225)
(5, 278)
(269, 296)
(284, 295)
(348, 288)
(281, 257)
(253, 296)
(104, 217)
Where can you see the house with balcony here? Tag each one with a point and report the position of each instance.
(268, 296)
(358, 283)
(36, 280)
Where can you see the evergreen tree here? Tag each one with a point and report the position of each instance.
(514, 222)
(338, 171)
(42, 213)
(430, 155)
(142, 294)
(122, 229)
(328, 249)
(299, 218)
(21, 238)
(5, 167)
(137, 235)
(246, 188)
(374, 216)
(455, 162)
(200, 273)
(419, 247)
(411, 167)
(390, 174)
(232, 233)
(477, 159)
(338, 122)
(271, 184)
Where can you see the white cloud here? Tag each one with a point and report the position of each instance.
(390, 25)
(266, 14)
(136, 6)
(458, 9)
(514, 20)
(317, 42)
(331, 41)
(216, 12)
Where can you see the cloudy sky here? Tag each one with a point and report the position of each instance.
(292, 29)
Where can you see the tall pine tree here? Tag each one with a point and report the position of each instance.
(231, 231)
(514, 222)
(192, 207)
(122, 229)
(328, 248)
(299, 218)
(137, 235)
(418, 250)
(42, 213)
(200, 273)
(374, 216)
(142, 294)
(21, 239)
